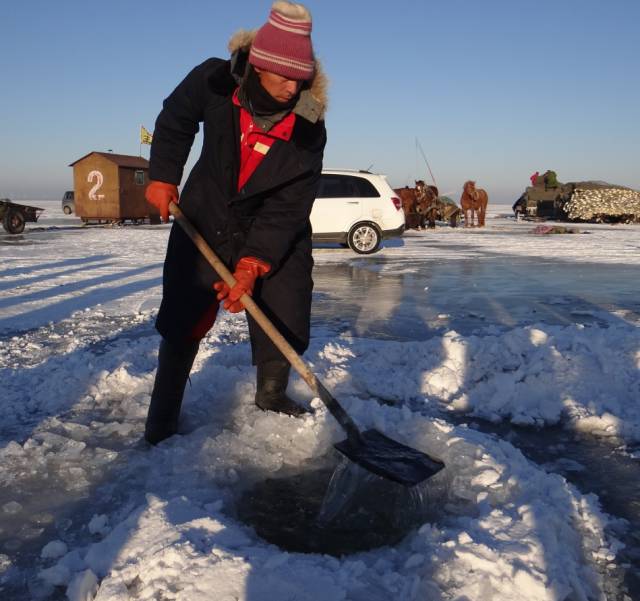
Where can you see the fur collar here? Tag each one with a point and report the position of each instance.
(313, 100)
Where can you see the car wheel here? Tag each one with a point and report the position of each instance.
(66, 210)
(364, 238)
(14, 221)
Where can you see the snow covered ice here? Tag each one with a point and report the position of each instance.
(88, 512)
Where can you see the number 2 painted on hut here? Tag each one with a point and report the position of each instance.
(100, 180)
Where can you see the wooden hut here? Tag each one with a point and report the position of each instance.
(110, 187)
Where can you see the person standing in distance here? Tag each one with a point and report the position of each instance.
(250, 195)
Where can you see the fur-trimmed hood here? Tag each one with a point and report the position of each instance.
(313, 99)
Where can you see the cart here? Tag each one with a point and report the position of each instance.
(14, 215)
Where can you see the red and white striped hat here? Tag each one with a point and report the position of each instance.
(283, 44)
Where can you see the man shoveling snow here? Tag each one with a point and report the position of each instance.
(250, 195)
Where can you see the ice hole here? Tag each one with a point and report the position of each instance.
(340, 511)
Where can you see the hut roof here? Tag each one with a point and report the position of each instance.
(122, 160)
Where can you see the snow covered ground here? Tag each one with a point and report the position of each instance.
(87, 511)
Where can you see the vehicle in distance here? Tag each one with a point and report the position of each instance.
(68, 202)
(356, 209)
(13, 215)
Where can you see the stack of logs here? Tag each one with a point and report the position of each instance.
(604, 204)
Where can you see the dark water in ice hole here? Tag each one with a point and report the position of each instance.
(348, 511)
(339, 510)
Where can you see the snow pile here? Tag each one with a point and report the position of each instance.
(509, 532)
(587, 378)
(508, 529)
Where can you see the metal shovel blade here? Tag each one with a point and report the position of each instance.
(389, 458)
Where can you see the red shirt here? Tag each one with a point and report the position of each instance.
(254, 143)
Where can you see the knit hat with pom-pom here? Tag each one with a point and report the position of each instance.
(283, 44)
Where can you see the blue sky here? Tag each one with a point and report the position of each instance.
(493, 90)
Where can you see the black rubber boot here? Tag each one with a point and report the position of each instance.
(174, 365)
(272, 380)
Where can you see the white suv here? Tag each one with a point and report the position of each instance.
(356, 209)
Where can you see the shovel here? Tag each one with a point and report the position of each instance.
(370, 449)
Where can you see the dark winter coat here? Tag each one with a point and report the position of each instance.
(268, 218)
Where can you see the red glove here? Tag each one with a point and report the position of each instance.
(160, 194)
(248, 270)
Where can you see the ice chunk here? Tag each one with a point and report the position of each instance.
(58, 575)
(99, 524)
(5, 563)
(50, 440)
(42, 518)
(13, 449)
(116, 428)
(64, 524)
(29, 532)
(538, 337)
(104, 456)
(417, 559)
(83, 587)
(78, 432)
(112, 589)
(485, 478)
(54, 549)
(71, 450)
(12, 507)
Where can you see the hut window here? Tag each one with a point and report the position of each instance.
(140, 178)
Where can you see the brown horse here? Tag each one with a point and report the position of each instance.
(409, 207)
(473, 200)
(427, 203)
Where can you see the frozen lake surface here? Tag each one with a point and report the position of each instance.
(466, 295)
(514, 357)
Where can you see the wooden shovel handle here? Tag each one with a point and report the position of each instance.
(263, 321)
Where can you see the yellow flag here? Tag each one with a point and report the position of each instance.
(145, 136)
